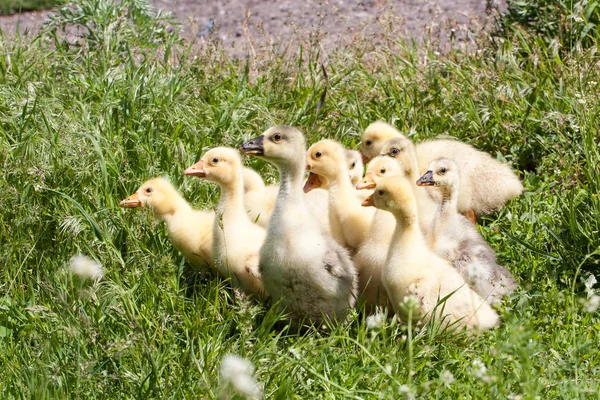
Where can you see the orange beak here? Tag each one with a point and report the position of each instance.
(308, 167)
(196, 170)
(131, 202)
(312, 182)
(369, 201)
(367, 182)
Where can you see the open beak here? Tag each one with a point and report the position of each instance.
(367, 182)
(369, 201)
(426, 180)
(312, 182)
(196, 170)
(254, 147)
(131, 202)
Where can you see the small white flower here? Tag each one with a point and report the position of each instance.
(479, 370)
(447, 378)
(406, 391)
(238, 373)
(592, 303)
(85, 267)
(375, 321)
(294, 352)
(409, 301)
(589, 284)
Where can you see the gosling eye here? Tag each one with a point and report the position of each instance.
(277, 137)
(353, 165)
(148, 190)
(215, 160)
(442, 171)
(380, 192)
(382, 171)
(318, 154)
(395, 151)
(368, 143)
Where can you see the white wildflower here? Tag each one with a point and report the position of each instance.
(589, 284)
(294, 352)
(238, 373)
(375, 321)
(479, 370)
(447, 378)
(592, 303)
(85, 267)
(409, 301)
(406, 392)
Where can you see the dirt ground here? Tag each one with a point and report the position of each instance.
(244, 24)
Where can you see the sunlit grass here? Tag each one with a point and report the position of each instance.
(83, 124)
(14, 6)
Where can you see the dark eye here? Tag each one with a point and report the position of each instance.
(215, 160)
(382, 170)
(380, 192)
(442, 170)
(277, 137)
(318, 154)
(368, 143)
(395, 151)
(148, 190)
(353, 165)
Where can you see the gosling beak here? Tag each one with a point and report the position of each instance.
(426, 180)
(196, 170)
(254, 147)
(369, 201)
(131, 202)
(365, 159)
(367, 182)
(312, 182)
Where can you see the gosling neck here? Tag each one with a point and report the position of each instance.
(449, 198)
(171, 207)
(408, 232)
(232, 197)
(340, 184)
(291, 181)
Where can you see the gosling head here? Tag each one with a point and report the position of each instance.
(402, 150)
(282, 145)
(221, 165)
(157, 194)
(442, 173)
(325, 159)
(355, 166)
(374, 137)
(379, 168)
(394, 194)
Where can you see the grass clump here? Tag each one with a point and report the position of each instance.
(8, 7)
(84, 123)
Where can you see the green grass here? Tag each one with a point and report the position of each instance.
(83, 124)
(8, 7)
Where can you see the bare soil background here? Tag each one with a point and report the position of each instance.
(243, 25)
